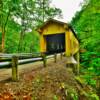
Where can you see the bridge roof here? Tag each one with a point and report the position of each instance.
(59, 22)
(52, 20)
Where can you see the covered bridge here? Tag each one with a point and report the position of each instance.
(57, 36)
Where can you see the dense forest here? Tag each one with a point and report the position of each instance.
(87, 26)
(18, 21)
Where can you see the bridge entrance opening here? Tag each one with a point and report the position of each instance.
(55, 43)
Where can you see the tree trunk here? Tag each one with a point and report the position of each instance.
(4, 31)
(3, 41)
(43, 10)
(20, 42)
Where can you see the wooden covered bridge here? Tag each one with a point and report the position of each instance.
(57, 36)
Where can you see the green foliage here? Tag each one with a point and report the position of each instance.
(31, 42)
(90, 59)
(0, 36)
(86, 23)
(92, 96)
(11, 37)
(55, 97)
(88, 80)
(72, 94)
(91, 66)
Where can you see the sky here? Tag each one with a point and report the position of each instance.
(68, 7)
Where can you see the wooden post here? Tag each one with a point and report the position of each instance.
(44, 59)
(55, 57)
(68, 43)
(77, 57)
(14, 68)
(71, 63)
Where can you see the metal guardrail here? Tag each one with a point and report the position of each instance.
(13, 60)
(5, 59)
(7, 62)
(22, 61)
(3, 55)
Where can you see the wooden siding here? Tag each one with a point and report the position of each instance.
(53, 28)
(74, 43)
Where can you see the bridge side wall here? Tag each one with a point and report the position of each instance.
(74, 43)
(42, 43)
(71, 42)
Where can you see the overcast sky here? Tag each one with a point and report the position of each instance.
(68, 7)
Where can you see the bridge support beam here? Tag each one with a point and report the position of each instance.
(77, 57)
(67, 44)
(42, 44)
(71, 63)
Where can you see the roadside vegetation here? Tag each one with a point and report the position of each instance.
(86, 24)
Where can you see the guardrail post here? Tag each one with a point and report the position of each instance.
(14, 68)
(44, 59)
(55, 57)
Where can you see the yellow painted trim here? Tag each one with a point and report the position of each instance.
(68, 44)
(42, 44)
(53, 28)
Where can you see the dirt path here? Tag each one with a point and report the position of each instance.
(54, 82)
(39, 83)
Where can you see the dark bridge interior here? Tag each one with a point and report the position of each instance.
(55, 43)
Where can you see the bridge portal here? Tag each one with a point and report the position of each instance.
(55, 43)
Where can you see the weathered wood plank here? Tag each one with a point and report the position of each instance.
(44, 59)
(14, 68)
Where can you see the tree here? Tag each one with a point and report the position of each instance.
(32, 14)
(6, 11)
(86, 23)
(44, 11)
